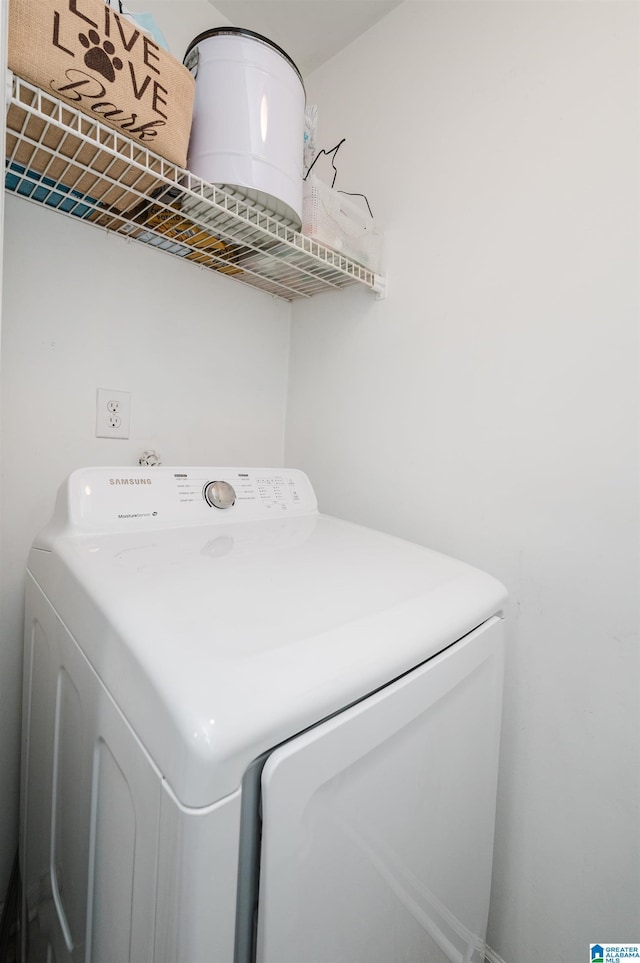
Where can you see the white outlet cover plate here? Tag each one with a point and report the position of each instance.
(113, 413)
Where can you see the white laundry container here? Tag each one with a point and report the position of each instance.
(248, 119)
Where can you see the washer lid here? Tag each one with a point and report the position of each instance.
(219, 641)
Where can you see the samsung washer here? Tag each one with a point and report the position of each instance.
(252, 733)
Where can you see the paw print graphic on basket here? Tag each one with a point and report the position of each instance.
(100, 56)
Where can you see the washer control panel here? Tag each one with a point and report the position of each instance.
(108, 499)
(247, 491)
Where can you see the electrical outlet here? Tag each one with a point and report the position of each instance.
(113, 413)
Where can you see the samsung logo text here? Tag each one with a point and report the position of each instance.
(129, 481)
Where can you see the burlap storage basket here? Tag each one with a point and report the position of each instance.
(82, 53)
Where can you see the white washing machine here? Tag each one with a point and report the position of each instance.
(253, 733)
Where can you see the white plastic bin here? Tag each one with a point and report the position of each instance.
(337, 221)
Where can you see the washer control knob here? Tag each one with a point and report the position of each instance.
(219, 494)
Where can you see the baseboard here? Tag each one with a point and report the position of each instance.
(491, 957)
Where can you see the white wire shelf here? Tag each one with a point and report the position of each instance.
(64, 159)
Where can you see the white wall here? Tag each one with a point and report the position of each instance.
(204, 358)
(489, 407)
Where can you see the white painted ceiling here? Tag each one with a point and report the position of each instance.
(309, 31)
